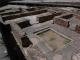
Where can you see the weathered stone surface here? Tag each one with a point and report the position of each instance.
(25, 35)
(5, 9)
(77, 28)
(45, 17)
(67, 16)
(15, 28)
(31, 9)
(77, 16)
(61, 22)
(10, 12)
(9, 17)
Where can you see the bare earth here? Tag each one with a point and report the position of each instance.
(55, 40)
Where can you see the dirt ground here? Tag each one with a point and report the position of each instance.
(55, 40)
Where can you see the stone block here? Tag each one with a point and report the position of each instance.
(61, 22)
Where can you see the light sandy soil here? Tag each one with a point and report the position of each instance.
(55, 40)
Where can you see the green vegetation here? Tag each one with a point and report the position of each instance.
(51, 39)
(66, 41)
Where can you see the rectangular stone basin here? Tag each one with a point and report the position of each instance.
(24, 24)
(55, 40)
